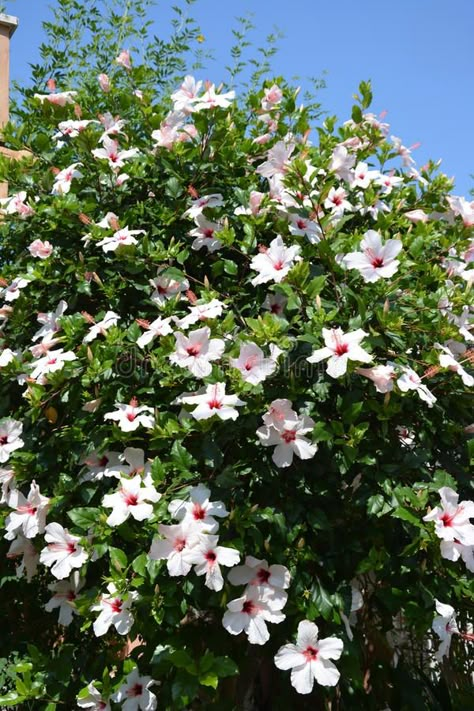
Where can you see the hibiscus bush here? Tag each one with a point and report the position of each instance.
(235, 361)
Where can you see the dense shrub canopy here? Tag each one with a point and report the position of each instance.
(235, 371)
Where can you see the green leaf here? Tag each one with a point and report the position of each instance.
(118, 559)
(85, 517)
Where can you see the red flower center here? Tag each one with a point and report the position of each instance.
(248, 607)
(71, 595)
(377, 262)
(103, 461)
(214, 404)
(263, 576)
(130, 499)
(136, 690)
(447, 518)
(179, 544)
(288, 436)
(193, 350)
(211, 556)
(3, 440)
(311, 654)
(198, 512)
(208, 233)
(71, 547)
(116, 605)
(341, 348)
(130, 416)
(278, 265)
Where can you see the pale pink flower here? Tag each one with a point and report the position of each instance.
(336, 202)
(107, 464)
(112, 125)
(187, 94)
(65, 593)
(132, 499)
(198, 205)
(211, 100)
(50, 363)
(136, 694)
(196, 351)
(278, 413)
(258, 573)
(278, 160)
(403, 151)
(417, 216)
(452, 351)
(123, 59)
(362, 176)
(409, 380)
(22, 546)
(63, 552)
(120, 238)
(275, 303)
(272, 97)
(158, 327)
(58, 99)
(453, 550)
(388, 182)
(254, 206)
(111, 152)
(29, 514)
(167, 288)
(71, 129)
(101, 327)
(12, 291)
(121, 179)
(288, 439)
(462, 208)
(94, 701)
(253, 366)
(339, 349)
(169, 131)
(451, 519)
(212, 400)
(381, 375)
(201, 312)
(309, 658)
(63, 180)
(207, 558)
(130, 417)
(175, 547)
(7, 483)
(304, 227)
(10, 437)
(205, 234)
(275, 262)
(15, 205)
(50, 321)
(199, 512)
(250, 613)
(444, 625)
(342, 163)
(40, 249)
(104, 83)
(114, 610)
(7, 356)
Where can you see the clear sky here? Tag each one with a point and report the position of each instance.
(418, 53)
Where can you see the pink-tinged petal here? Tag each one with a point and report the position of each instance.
(282, 455)
(325, 672)
(330, 648)
(372, 240)
(123, 622)
(257, 631)
(337, 365)
(227, 413)
(227, 556)
(118, 515)
(302, 679)
(307, 634)
(448, 496)
(160, 549)
(391, 249)
(214, 579)
(280, 576)
(449, 550)
(234, 622)
(357, 353)
(289, 656)
(141, 512)
(304, 450)
(319, 354)
(177, 565)
(102, 623)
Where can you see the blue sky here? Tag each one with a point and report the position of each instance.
(418, 54)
